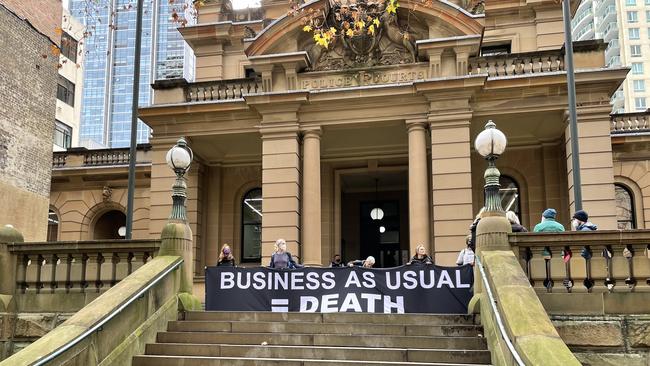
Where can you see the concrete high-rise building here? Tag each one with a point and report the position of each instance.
(625, 26)
(69, 83)
(108, 65)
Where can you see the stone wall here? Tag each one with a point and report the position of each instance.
(606, 339)
(17, 331)
(28, 95)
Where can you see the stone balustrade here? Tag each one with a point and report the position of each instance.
(82, 157)
(221, 89)
(517, 63)
(599, 261)
(630, 123)
(79, 266)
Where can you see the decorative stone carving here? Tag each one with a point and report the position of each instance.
(388, 44)
(107, 193)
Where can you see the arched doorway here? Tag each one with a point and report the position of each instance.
(108, 225)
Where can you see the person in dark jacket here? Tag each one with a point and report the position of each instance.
(225, 257)
(472, 228)
(514, 223)
(421, 256)
(581, 222)
(337, 262)
(281, 258)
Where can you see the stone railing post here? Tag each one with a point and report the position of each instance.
(8, 234)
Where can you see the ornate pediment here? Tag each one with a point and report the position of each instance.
(361, 33)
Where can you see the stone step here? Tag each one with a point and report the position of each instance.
(339, 340)
(324, 328)
(412, 319)
(321, 353)
(154, 360)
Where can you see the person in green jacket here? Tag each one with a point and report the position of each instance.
(548, 224)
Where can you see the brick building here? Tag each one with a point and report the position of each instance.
(28, 95)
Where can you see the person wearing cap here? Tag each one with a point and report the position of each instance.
(548, 224)
(581, 222)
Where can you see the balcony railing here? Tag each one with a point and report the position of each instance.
(80, 266)
(595, 261)
(81, 157)
(221, 89)
(630, 123)
(518, 64)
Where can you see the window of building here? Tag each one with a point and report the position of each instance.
(639, 85)
(632, 16)
(509, 193)
(65, 91)
(497, 49)
(647, 15)
(52, 226)
(625, 214)
(635, 50)
(637, 68)
(647, 2)
(62, 135)
(633, 33)
(639, 104)
(69, 47)
(630, 2)
(251, 237)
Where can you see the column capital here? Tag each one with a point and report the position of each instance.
(312, 133)
(416, 123)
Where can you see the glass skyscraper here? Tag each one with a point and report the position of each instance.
(108, 65)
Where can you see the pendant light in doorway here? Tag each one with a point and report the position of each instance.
(376, 214)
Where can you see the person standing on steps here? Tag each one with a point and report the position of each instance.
(581, 222)
(225, 257)
(466, 256)
(548, 224)
(514, 223)
(281, 258)
(337, 261)
(421, 256)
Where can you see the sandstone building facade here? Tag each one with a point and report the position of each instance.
(302, 142)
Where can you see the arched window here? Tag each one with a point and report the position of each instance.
(509, 193)
(251, 217)
(625, 214)
(52, 226)
(108, 225)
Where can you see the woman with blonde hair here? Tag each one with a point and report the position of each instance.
(225, 257)
(281, 258)
(420, 256)
(514, 223)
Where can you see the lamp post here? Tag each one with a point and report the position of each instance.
(491, 143)
(492, 231)
(176, 236)
(179, 158)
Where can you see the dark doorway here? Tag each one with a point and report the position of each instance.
(108, 225)
(387, 238)
(381, 237)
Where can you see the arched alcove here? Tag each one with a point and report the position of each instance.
(108, 225)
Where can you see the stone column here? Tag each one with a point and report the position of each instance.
(596, 165)
(419, 220)
(280, 191)
(451, 183)
(311, 199)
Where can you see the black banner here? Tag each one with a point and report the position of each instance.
(405, 289)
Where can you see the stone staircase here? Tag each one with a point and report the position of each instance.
(287, 339)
